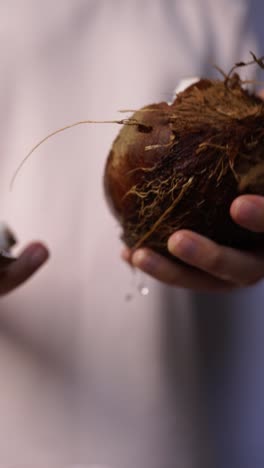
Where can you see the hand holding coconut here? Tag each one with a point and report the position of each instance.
(174, 173)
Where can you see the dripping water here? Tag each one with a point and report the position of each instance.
(138, 286)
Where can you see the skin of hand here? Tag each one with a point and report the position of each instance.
(21, 269)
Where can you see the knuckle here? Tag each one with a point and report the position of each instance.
(215, 262)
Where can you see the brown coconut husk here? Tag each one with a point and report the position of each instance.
(180, 166)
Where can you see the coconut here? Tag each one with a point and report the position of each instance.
(180, 165)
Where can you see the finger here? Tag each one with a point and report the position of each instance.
(126, 254)
(30, 260)
(175, 274)
(248, 211)
(231, 265)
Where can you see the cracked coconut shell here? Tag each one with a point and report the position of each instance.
(180, 166)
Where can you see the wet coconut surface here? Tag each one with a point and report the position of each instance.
(180, 166)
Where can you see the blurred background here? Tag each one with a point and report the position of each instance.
(88, 377)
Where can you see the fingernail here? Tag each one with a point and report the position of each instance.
(182, 246)
(38, 257)
(247, 210)
(144, 261)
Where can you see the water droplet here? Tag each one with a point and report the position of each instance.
(137, 285)
(144, 291)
